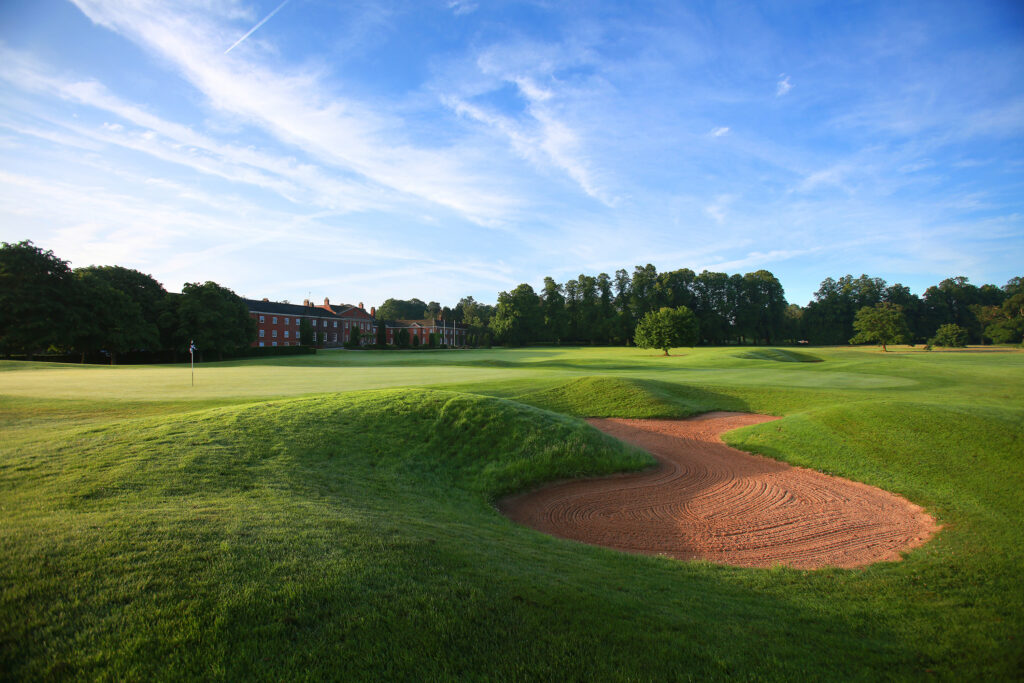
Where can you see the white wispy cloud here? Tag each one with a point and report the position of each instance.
(719, 132)
(460, 7)
(300, 108)
(783, 86)
(717, 209)
(546, 137)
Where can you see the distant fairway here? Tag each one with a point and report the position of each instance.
(331, 516)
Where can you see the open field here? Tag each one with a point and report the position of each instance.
(331, 517)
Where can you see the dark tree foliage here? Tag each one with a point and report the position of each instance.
(517, 317)
(552, 303)
(306, 333)
(606, 309)
(36, 300)
(402, 338)
(399, 309)
(712, 306)
(215, 318)
(829, 318)
(761, 306)
(109, 318)
(382, 334)
(1004, 324)
(121, 310)
(952, 301)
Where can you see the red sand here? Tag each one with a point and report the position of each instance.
(708, 501)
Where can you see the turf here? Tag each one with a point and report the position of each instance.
(291, 519)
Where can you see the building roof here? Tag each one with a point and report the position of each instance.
(275, 308)
(338, 311)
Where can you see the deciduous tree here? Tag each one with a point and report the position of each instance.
(215, 318)
(667, 328)
(949, 335)
(36, 299)
(882, 323)
(517, 317)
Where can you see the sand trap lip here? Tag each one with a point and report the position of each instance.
(708, 501)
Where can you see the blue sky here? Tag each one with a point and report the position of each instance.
(446, 148)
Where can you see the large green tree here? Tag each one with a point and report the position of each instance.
(552, 304)
(401, 309)
(667, 328)
(109, 319)
(120, 310)
(517, 317)
(829, 318)
(36, 300)
(882, 323)
(215, 318)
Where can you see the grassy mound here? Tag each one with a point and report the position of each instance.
(209, 544)
(780, 355)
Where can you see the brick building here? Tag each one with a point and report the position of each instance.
(277, 324)
(449, 333)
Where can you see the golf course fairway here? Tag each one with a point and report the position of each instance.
(333, 517)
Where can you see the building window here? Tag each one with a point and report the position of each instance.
(261, 334)
(274, 320)
(261, 344)
(286, 321)
(286, 334)
(273, 333)
(334, 337)
(261, 318)
(335, 323)
(274, 344)
(314, 337)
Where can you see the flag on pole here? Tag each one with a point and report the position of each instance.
(192, 358)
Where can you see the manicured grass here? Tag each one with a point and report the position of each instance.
(267, 526)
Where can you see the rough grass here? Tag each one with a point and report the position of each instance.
(352, 536)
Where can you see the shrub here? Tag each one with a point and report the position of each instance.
(949, 335)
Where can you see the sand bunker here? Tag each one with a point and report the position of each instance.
(708, 501)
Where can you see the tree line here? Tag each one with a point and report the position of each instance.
(740, 309)
(45, 306)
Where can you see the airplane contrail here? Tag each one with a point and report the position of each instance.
(253, 29)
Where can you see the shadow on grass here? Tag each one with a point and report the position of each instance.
(627, 397)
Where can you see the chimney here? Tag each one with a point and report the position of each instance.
(266, 299)
(327, 302)
(305, 302)
(373, 311)
(360, 304)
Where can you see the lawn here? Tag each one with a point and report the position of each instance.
(331, 516)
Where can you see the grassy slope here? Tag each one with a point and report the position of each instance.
(351, 534)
